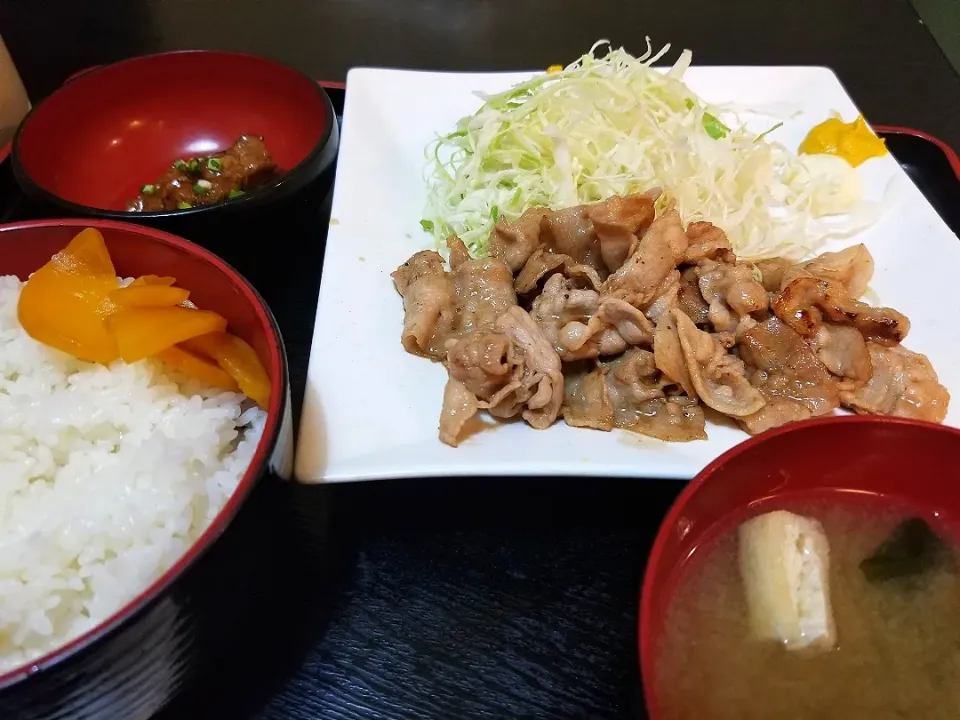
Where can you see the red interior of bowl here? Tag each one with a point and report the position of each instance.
(912, 462)
(213, 285)
(102, 136)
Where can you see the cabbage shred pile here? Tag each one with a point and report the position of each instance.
(614, 125)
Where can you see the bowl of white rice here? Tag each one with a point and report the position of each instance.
(115, 482)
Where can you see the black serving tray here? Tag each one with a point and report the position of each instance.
(446, 598)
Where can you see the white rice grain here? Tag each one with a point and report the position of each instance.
(107, 476)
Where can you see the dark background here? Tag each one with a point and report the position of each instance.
(881, 51)
(478, 598)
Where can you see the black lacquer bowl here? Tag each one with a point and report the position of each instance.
(132, 664)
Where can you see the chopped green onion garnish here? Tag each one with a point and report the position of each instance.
(181, 165)
(235, 194)
(711, 123)
(762, 135)
(184, 205)
(494, 213)
(214, 164)
(713, 126)
(194, 165)
(200, 189)
(427, 225)
(148, 189)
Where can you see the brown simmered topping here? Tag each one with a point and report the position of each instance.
(209, 179)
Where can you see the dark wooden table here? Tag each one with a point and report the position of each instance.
(476, 598)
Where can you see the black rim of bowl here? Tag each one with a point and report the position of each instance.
(220, 524)
(286, 184)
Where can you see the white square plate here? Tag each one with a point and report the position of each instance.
(371, 410)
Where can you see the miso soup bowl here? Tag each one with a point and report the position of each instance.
(132, 664)
(914, 462)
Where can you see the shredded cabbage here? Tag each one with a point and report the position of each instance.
(614, 125)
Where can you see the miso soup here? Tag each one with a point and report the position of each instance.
(896, 652)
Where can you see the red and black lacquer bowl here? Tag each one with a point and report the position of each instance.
(131, 665)
(908, 461)
(89, 147)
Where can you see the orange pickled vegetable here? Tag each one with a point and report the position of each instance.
(60, 312)
(63, 304)
(154, 280)
(86, 254)
(148, 296)
(73, 303)
(198, 368)
(239, 359)
(143, 332)
(205, 345)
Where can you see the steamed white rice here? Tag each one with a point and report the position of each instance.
(106, 478)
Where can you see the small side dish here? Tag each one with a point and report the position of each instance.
(127, 418)
(209, 179)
